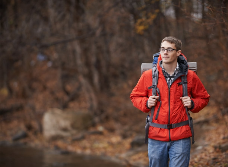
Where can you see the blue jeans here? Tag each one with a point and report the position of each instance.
(176, 152)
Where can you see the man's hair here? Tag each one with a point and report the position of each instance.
(173, 40)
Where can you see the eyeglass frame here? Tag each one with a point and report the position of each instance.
(167, 50)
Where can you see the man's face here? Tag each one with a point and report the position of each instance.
(169, 57)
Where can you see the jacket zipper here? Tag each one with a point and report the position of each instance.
(169, 114)
(169, 105)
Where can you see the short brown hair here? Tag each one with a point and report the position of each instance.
(174, 40)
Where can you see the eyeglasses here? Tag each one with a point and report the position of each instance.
(168, 50)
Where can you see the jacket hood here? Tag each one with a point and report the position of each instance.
(182, 61)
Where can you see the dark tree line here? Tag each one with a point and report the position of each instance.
(97, 46)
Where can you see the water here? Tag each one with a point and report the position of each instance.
(30, 157)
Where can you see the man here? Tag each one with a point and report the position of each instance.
(170, 145)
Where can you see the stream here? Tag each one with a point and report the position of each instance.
(21, 156)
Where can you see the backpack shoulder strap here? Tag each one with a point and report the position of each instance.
(154, 87)
(184, 84)
(185, 93)
(154, 79)
(154, 92)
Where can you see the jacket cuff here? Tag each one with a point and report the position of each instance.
(192, 104)
(147, 104)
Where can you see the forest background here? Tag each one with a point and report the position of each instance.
(86, 55)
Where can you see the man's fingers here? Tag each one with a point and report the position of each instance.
(152, 100)
(154, 97)
(185, 98)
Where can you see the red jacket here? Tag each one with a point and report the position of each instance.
(172, 109)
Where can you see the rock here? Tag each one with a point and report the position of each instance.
(95, 132)
(60, 151)
(78, 137)
(58, 123)
(58, 164)
(4, 143)
(213, 161)
(225, 137)
(20, 135)
(138, 141)
(224, 147)
(134, 151)
(82, 136)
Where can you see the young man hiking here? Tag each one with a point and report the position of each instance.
(169, 131)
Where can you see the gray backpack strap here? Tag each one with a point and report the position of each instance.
(185, 93)
(154, 87)
(155, 79)
(154, 92)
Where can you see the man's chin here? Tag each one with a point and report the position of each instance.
(166, 62)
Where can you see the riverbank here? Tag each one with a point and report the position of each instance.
(100, 140)
(209, 150)
(109, 146)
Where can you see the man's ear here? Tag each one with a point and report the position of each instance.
(178, 52)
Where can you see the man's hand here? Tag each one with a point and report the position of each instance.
(186, 100)
(152, 101)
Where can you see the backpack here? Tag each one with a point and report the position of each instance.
(155, 90)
